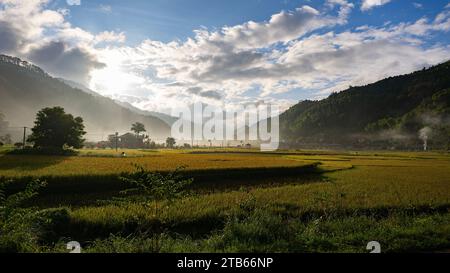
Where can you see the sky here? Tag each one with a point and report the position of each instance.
(161, 54)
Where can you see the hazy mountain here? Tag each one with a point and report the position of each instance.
(166, 118)
(391, 110)
(80, 87)
(25, 89)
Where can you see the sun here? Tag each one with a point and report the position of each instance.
(115, 77)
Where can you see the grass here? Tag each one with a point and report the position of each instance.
(250, 201)
(27, 165)
(5, 148)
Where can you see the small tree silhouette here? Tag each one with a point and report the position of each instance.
(138, 128)
(170, 142)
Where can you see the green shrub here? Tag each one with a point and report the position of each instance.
(52, 224)
(17, 230)
(157, 186)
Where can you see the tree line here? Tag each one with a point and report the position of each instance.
(56, 130)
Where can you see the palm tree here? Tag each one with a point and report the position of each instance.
(138, 128)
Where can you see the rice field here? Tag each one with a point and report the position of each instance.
(110, 162)
(368, 184)
(336, 204)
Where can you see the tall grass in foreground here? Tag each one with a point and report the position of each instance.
(18, 226)
(262, 230)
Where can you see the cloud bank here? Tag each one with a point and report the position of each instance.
(292, 52)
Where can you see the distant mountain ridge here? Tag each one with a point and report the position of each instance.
(80, 87)
(390, 112)
(4, 59)
(26, 88)
(166, 118)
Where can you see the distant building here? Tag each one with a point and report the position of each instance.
(103, 145)
(131, 141)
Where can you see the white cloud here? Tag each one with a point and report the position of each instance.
(32, 31)
(73, 2)
(105, 8)
(293, 51)
(110, 36)
(63, 11)
(327, 62)
(282, 27)
(417, 5)
(369, 4)
(24, 23)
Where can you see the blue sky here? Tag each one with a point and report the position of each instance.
(161, 54)
(168, 20)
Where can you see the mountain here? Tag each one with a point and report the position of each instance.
(79, 86)
(26, 88)
(166, 118)
(391, 112)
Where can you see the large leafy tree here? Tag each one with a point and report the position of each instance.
(138, 128)
(55, 129)
(170, 142)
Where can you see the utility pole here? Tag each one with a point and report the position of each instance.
(117, 140)
(24, 136)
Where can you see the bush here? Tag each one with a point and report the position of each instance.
(52, 224)
(156, 185)
(18, 145)
(17, 230)
(17, 234)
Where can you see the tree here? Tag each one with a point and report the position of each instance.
(138, 128)
(170, 142)
(56, 129)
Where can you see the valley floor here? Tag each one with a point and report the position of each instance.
(241, 201)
